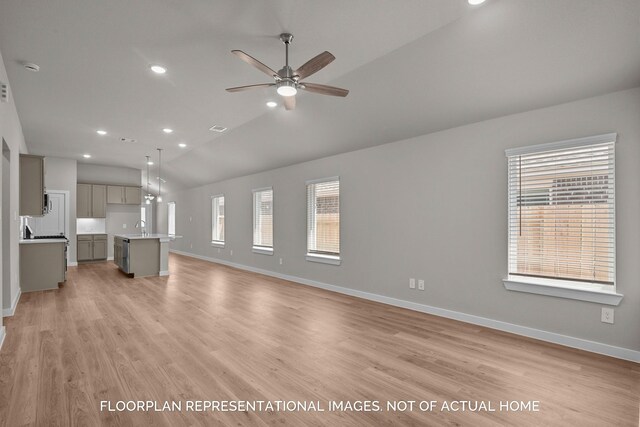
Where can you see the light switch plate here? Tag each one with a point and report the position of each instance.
(412, 283)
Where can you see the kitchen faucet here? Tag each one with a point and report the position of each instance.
(142, 224)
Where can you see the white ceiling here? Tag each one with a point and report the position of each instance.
(413, 67)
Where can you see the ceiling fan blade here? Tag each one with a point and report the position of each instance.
(241, 88)
(324, 89)
(289, 102)
(253, 61)
(314, 65)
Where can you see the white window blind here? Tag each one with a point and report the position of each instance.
(171, 217)
(323, 217)
(217, 219)
(263, 218)
(562, 210)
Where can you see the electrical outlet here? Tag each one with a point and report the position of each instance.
(607, 315)
(421, 285)
(190, 219)
(191, 245)
(412, 283)
(124, 225)
(280, 261)
(231, 252)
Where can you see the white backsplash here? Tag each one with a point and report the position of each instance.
(91, 225)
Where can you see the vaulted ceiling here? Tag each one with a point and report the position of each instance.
(412, 66)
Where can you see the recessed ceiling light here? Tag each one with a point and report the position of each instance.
(158, 69)
(475, 2)
(182, 145)
(167, 130)
(149, 162)
(31, 67)
(101, 132)
(86, 156)
(272, 104)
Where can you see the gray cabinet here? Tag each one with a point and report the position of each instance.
(115, 194)
(85, 252)
(100, 246)
(132, 195)
(91, 201)
(121, 195)
(83, 201)
(92, 247)
(99, 201)
(42, 265)
(32, 189)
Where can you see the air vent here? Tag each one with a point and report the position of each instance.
(4, 92)
(218, 128)
(128, 140)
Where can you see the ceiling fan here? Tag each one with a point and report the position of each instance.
(288, 81)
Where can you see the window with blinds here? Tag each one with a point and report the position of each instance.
(171, 218)
(323, 217)
(562, 210)
(263, 220)
(217, 219)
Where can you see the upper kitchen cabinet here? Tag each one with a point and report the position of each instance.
(32, 191)
(99, 201)
(120, 195)
(83, 201)
(91, 201)
(132, 195)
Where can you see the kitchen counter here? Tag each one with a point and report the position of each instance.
(164, 237)
(32, 241)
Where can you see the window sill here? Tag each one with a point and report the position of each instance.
(217, 244)
(324, 259)
(562, 289)
(262, 250)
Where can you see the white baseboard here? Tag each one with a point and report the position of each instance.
(2, 335)
(72, 264)
(6, 312)
(579, 343)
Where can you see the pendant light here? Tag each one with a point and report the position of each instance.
(159, 174)
(149, 197)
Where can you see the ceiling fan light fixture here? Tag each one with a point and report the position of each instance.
(286, 88)
(475, 2)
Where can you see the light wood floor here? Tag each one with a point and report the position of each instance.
(210, 332)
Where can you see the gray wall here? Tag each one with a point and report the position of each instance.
(99, 174)
(60, 174)
(11, 131)
(435, 207)
(121, 219)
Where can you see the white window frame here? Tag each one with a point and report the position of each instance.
(171, 216)
(262, 249)
(316, 257)
(214, 221)
(583, 291)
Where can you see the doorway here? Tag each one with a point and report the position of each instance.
(5, 218)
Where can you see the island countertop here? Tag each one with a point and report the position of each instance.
(147, 236)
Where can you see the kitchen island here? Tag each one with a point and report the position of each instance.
(142, 254)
